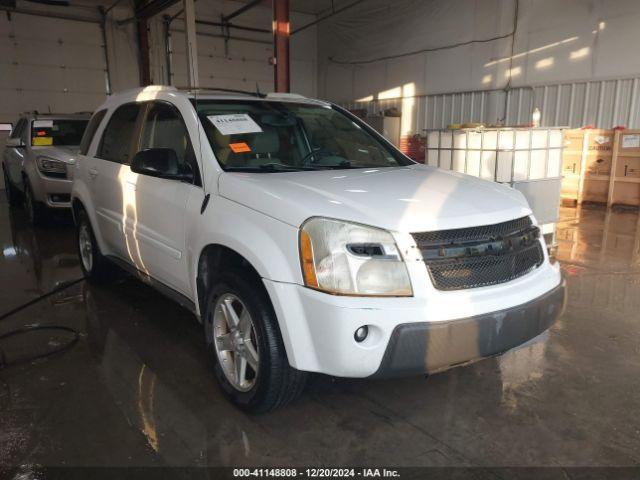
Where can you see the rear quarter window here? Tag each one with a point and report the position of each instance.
(90, 131)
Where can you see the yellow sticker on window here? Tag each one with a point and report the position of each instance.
(42, 141)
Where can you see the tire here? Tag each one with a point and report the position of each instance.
(275, 383)
(35, 210)
(12, 193)
(95, 266)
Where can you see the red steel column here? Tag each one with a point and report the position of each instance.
(281, 45)
(143, 52)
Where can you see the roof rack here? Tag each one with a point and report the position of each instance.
(226, 90)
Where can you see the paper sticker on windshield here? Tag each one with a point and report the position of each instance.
(42, 123)
(234, 124)
(42, 141)
(239, 147)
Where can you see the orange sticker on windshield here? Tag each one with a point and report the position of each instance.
(240, 147)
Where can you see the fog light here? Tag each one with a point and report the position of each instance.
(361, 333)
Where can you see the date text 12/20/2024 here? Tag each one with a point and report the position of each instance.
(315, 473)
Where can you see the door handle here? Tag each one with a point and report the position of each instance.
(93, 173)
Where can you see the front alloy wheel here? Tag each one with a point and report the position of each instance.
(235, 342)
(32, 206)
(244, 340)
(9, 190)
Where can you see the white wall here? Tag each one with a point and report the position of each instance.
(557, 41)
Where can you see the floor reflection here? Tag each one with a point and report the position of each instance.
(596, 237)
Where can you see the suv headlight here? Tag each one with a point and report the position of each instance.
(350, 259)
(51, 165)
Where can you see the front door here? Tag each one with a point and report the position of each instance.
(158, 235)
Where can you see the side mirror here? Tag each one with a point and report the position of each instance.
(14, 143)
(162, 163)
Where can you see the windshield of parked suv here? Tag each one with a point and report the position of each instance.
(267, 136)
(47, 132)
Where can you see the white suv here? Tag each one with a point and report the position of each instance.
(304, 241)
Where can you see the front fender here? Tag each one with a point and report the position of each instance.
(270, 245)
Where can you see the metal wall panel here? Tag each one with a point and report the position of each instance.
(601, 103)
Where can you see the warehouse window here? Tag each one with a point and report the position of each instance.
(94, 123)
(118, 136)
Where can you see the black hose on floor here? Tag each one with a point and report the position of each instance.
(38, 327)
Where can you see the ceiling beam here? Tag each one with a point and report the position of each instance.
(154, 7)
(241, 10)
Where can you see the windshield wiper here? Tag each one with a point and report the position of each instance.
(320, 152)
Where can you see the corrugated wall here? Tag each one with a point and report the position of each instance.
(602, 103)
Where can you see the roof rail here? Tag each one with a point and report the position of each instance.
(285, 95)
(225, 90)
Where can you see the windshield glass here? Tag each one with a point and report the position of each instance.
(57, 132)
(270, 136)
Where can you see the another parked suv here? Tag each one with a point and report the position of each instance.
(37, 160)
(304, 241)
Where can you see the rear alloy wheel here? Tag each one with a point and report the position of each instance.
(243, 337)
(95, 266)
(85, 246)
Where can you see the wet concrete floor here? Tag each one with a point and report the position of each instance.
(137, 389)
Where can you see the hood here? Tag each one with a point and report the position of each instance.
(64, 153)
(404, 199)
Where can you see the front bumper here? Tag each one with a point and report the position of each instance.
(52, 192)
(318, 328)
(418, 348)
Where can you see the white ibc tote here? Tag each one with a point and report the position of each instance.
(528, 159)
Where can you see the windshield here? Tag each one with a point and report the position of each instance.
(57, 132)
(267, 136)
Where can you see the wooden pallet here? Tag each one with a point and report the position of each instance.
(624, 183)
(587, 159)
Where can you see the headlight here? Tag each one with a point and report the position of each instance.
(351, 259)
(51, 165)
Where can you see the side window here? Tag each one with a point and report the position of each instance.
(90, 131)
(118, 136)
(164, 128)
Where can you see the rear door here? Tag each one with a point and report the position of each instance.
(158, 233)
(115, 202)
